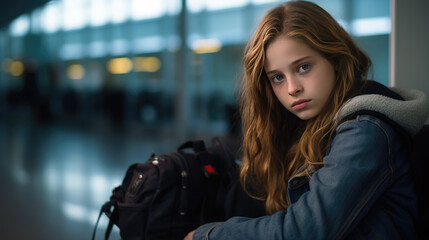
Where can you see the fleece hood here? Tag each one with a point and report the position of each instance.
(409, 111)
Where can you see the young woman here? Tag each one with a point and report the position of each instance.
(324, 147)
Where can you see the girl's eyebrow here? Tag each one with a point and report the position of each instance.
(293, 63)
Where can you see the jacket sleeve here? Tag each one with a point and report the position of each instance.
(355, 174)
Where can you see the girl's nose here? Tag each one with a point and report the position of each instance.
(294, 86)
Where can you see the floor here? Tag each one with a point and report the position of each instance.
(55, 177)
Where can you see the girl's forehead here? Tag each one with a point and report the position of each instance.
(288, 50)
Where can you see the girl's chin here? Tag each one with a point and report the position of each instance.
(305, 115)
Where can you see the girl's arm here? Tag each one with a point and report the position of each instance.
(355, 174)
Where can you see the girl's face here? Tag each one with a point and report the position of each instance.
(301, 78)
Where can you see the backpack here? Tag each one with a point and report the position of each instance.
(172, 194)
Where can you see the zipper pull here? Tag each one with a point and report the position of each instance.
(184, 194)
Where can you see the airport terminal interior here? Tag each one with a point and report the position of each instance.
(88, 87)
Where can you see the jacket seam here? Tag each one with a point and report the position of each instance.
(375, 233)
(209, 231)
(371, 192)
(359, 207)
(348, 121)
(379, 123)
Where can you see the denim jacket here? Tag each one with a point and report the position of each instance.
(363, 191)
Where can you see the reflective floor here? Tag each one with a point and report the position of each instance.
(55, 177)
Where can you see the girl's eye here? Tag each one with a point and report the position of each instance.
(303, 68)
(276, 78)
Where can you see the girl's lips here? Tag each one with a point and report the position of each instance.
(300, 104)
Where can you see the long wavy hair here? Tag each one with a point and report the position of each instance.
(276, 143)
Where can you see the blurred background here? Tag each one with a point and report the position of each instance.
(88, 87)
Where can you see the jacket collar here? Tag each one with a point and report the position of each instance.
(408, 109)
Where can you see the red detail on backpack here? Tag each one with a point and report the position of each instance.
(209, 168)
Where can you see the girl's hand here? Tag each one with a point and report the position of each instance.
(189, 236)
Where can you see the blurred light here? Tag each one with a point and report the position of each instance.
(173, 43)
(119, 65)
(195, 5)
(147, 9)
(173, 6)
(76, 212)
(35, 21)
(99, 189)
(75, 71)
(146, 64)
(198, 5)
(223, 4)
(119, 11)
(264, 1)
(74, 14)
(74, 183)
(20, 26)
(371, 26)
(97, 49)
(16, 68)
(98, 12)
(81, 213)
(50, 17)
(52, 178)
(71, 51)
(119, 47)
(202, 46)
(149, 44)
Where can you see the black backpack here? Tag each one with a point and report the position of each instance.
(172, 194)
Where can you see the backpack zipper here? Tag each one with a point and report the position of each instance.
(184, 193)
(184, 190)
(136, 185)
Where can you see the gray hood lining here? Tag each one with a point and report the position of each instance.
(410, 114)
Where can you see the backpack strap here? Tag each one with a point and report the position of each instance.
(106, 208)
(96, 224)
(112, 214)
(196, 145)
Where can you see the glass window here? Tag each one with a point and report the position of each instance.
(147, 9)
(223, 4)
(98, 12)
(173, 6)
(119, 10)
(75, 14)
(50, 17)
(195, 5)
(20, 26)
(199, 5)
(215, 40)
(264, 1)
